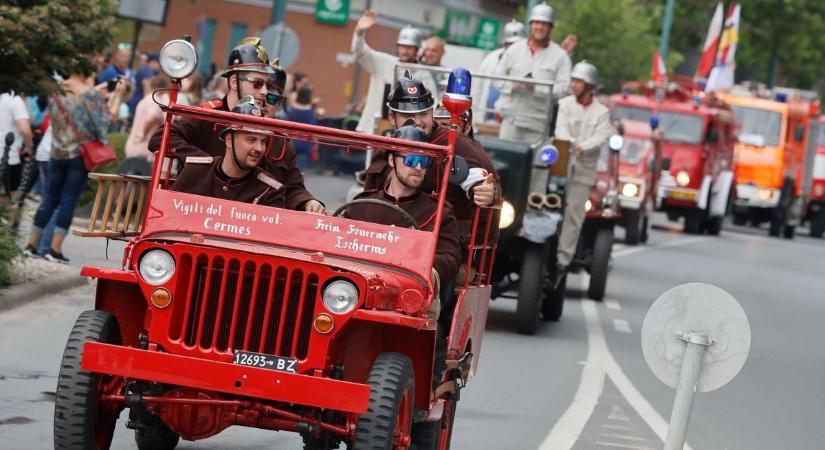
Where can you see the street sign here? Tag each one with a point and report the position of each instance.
(487, 34)
(281, 42)
(151, 11)
(470, 30)
(335, 12)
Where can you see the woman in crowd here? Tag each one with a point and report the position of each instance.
(148, 116)
(303, 111)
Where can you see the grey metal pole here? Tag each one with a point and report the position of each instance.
(530, 5)
(668, 20)
(695, 345)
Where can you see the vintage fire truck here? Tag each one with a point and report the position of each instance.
(816, 195)
(697, 149)
(228, 313)
(638, 163)
(773, 159)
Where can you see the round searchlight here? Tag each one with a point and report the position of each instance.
(178, 58)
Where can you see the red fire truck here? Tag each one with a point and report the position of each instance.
(637, 183)
(816, 195)
(228, 313)
(697, 150)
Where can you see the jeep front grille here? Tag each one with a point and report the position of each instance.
(239, 304)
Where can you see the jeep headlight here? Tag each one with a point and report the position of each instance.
(340, 296)
(682, 178)
(630, 189)
(178, 58)
(508, 215)
(156, 267)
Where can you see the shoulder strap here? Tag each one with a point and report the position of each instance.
(66, 117)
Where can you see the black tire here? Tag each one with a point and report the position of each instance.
(426, 435)
(789, 232)
(633, 226)
(391, 380)
(599, 266)
(777, 222)
(156, 436)
(78, 421)
(715, 225)
(693, 221)
(553, 305)
(818, 225)
(645, 229)
(532, 277)
(739, 219)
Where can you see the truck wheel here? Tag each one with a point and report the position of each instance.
(553, 304)
(599, 265)
(531, 280)
(739, 219)
(789, 232)
(633, 226)
(818, 225)
(156, 435)
(693, 221)
(777, 222)
(645, 229)
(388, 420)
(715, 225)
(81, 420)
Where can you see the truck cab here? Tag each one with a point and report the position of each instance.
(697, 152)
(638, 163)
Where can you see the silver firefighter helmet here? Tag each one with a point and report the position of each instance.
(542, 13)
(586, 72)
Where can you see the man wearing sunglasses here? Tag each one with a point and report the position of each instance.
(410, 100)
(248, 74)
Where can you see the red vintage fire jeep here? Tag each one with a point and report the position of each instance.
(227, 313)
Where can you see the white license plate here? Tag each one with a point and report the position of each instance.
(264, 361)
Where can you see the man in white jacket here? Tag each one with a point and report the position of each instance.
(380, 66)
(585, 123)
(535, 57)
(483, 91)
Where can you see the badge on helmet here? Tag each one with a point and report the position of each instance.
(409, 95)
(249, 55)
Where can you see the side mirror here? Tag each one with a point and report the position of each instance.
(615, 143)
(459, 170)
(665, 163)
(799, 133)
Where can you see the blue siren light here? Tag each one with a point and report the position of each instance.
(654, 122)
(549, 154)
(781, 97)
(459, 82)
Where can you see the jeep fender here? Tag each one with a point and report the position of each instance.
(721, 193)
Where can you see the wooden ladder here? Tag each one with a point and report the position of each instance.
(119, 206)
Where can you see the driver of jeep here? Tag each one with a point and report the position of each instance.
(402, 188)
(237, 174)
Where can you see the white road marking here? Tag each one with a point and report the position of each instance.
(600, 363)
(631, 250)
(615, 445)
(622, 326)
(612, 304)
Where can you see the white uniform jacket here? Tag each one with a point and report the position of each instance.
(380, 65)
(586, 126)
(550, 63)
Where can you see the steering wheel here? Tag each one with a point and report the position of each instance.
(374, 201)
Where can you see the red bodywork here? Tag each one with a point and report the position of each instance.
(635, 166)
(250, 277)
(699, 159)
(817, 192)
(603, 200)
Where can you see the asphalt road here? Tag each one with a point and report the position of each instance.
(581, 383)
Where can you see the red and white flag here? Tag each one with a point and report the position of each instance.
(721, 76)
(658, 73)
(711, 44)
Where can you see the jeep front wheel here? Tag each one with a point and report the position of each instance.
(532, 277)
(600, 264)
(81, 420)
(387, 423)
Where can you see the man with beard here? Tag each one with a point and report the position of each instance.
(585, 123)
(236, 174)
(248, 74)
(381, 66)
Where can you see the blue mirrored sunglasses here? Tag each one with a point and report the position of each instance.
(414, 160)
(274, 98)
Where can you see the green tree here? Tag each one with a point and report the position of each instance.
(40, 37)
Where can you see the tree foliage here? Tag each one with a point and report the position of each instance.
(41, 37)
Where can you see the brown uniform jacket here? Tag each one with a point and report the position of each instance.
(422, 207)
(201, 176)
(459, 196)
(191, 137)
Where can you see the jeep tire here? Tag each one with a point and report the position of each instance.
(390, 408)
(532, 277)
(600, 264)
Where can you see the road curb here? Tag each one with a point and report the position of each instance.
(19, 294)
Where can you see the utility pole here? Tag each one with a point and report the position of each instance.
(775, 43)
(668, 20)
(278, 17)
(530, 5)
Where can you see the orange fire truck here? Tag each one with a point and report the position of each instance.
(816, 195)
(773, 158)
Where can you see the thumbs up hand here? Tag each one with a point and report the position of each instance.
(485, 193)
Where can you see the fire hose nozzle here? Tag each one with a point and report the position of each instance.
(535, 200)
(552, 201)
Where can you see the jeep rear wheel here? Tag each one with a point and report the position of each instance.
(531, 280)
(600, 264)
(435, 435)
(553, 305)
(81, 420)
(387, 423)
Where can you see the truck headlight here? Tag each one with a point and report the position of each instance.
(178, 59)
(588, 205)
(340, 296)
(765, 194)
(630, 189)
(156, 267)
(508, 215)
(682, 178)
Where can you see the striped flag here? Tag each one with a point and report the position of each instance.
(711, 43)
(658, 72)
(721, 76)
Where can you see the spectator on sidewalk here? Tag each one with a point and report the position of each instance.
(14, 119)
(303, 111)
(148, 116)
(143, 78)
(191, 90)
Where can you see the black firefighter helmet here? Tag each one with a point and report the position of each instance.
(277, 83)
(249, 55)
(410, 96)
(246, 106)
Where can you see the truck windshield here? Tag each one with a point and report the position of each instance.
(631, 113)
(757, 126)
(686, 128)
(634, 150)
